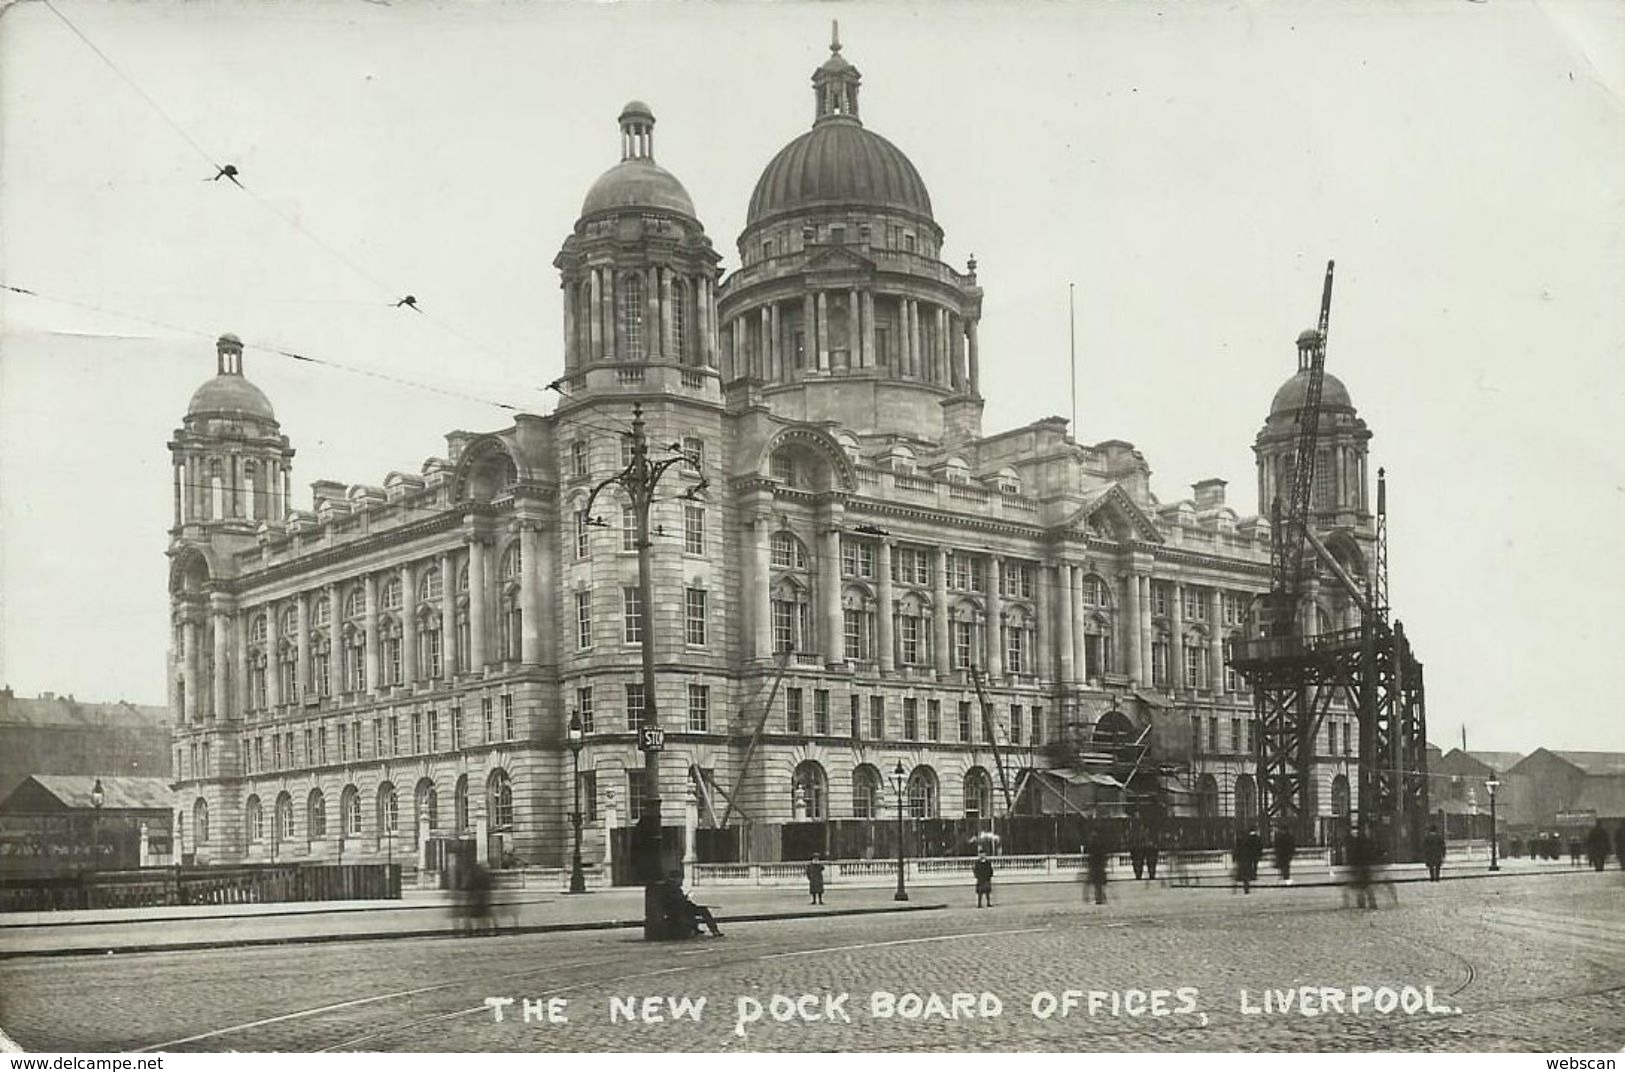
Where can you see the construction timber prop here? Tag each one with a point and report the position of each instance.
(1295, 673)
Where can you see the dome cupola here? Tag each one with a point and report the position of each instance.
(637, 183)
(230, 394)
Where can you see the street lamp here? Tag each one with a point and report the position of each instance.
(638, 481)
(97, 799)
(898, 784)
(578, 881)
(1492, 784)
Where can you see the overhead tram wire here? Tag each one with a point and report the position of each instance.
(296, 355)
(230, 171)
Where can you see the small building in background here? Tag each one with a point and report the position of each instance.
(52, 734)
(51, 824)
(1564, 792)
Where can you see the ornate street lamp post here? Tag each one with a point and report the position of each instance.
(578, 881)
(899, 783)
(1492, 784)
(97, 799)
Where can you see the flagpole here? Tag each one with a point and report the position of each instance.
(1072, 347)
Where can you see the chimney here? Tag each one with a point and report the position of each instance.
(47, 695)
(1209, 493)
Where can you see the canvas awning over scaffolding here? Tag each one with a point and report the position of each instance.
(1040, 792)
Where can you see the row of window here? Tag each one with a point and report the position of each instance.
(387, 811)
(693, 530)
(388, 738)
(696, 617)
(580, 451)
(1205, 731)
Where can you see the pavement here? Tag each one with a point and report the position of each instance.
(1527, 962)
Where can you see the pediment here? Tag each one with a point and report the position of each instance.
(838, 259)
(1114, 510)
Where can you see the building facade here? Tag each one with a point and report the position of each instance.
(842, 550)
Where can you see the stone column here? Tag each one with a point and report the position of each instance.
(691, 826)
(409, 624)
(995, 621)
(829, 579)
(823, 332)
(1143, 583)
(547, 606)
(240, 645)
(1065, 612)
(273, 658)
(476, 604)
(975, 361)
(809, 330)
(1215, 659)
(939, 619)
(1130, 628)
(369, 625)
(189, 705)
(870, 358)
(180, 483)
(301, 672)
(530, 613)
(761, 580)
(612, 331)
(765, 349)
(1044, 628)
(1176, 645)
(595, 314)
(482, 830)
(910, 359)
(1080, 637)
(780, 346)
(660, 326)
(943, 375)
(572, 356)
(448, 614)
(854, 330)
(883, 615)
(956, 351)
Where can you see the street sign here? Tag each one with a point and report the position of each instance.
(651, 739)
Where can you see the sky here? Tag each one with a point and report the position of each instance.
(1188, 167)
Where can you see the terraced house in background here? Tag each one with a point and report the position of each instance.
(400, 662)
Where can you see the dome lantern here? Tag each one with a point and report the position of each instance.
(835, 84)
(637, 132)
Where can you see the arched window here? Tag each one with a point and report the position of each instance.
(431, 645)
(499, 793)
(429, 585)
(1008, 481)
(788, 552)
(513, 561)
(922, 793)
(350, 812)
(679, 320)
(510, 626)
(1246, 802)
(1340, 795)
(200, 820)
(426, 805)
(316, 815)
(290, 621)
(1207, 797)
(282, 822)
(957, 471)
(809, 792)
(865, 792)
(459, 805)
(392, 594)
(257, 629)
(633, 307)
(389, 811)
(978, 794)
(355, 604)
(254, 819)
(322, 613)
(1097, 646)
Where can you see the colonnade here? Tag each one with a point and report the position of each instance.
(215, 486)
(677, 321)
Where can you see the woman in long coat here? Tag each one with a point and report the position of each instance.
(815, 878)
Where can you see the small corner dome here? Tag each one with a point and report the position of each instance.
(1290, 398)
(229, 394)
(637, 182)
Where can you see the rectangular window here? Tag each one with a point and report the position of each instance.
(634, 708)
(821, 711)
(694, 450)
(1159, 663)
(626, 449)
(694, 617)
(1195, 667)
(693, 529)
(344, 743)
(417, 733)
(394, 735)
(1016, 648)
(699, 708)
(507, 718)
(1252, 736)
(1235, 735)
(1015, 723)
(434, 730)
(909, 628)
(852, 634)
(856, 706)
(1196, 733)
(377, 740)
(583, 534)
(321, 747)
(589, 796)
(784, 625)
(629, 529)
(578, 458)
(966, 726)
(583, 620)
(456, 729)
(634, 793)
(933, 720)
(1038, 725)
(1348, 745)
(857, 559)
(1194, 605)
(1213, 734)
(964, 644)
(276, 751)
(1159, 598)
(877, 718)
(911, 719)
(432, 646)
(632, 614)
(584, 707)
(487, 720)
(792, 711)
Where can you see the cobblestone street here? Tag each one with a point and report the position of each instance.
(1531, 963)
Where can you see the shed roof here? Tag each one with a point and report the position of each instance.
(72, 792)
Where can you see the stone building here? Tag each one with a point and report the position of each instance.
(843, 548)
(54, 734)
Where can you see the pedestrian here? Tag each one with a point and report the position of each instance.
(1285, 847)
(1361, 860)
(1152, 851)
(1619, 844)
(683, 916)
(476, 899)
(1433, 852)
(1597, 847)
(1136, 852)
(1249, 850)
(1574, 852)
(1098, 855)
(982, 870)
(815, 878)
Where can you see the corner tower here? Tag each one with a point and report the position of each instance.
(841, 308)
(638, 275)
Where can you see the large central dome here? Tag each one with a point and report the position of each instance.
(838, 163)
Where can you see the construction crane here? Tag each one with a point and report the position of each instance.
(1295, 672)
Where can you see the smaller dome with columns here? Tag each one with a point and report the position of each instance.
(637, 182)
(230, 394)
